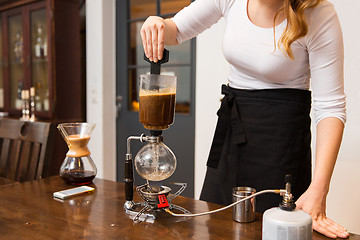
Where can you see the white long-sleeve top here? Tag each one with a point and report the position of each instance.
(255, 63)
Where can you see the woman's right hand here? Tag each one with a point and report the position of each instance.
(153, 37)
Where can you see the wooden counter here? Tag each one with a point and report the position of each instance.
(28, 211)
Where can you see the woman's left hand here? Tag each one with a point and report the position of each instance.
(313, 202)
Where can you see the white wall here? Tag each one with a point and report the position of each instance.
(100, 87)
(211, 72)
(344, 196)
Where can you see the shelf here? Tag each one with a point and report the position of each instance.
(40, 60)
(16, 63)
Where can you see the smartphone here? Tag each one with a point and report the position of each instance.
(73, 192)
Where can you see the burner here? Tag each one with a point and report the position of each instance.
(154, 202)
(147, 194)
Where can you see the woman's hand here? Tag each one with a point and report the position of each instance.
(155, 33)
(313, 201)
(152, 34)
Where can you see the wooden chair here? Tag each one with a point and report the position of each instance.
(23, 148)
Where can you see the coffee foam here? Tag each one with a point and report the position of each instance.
(162, 91)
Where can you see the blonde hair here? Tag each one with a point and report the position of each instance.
(294, 11)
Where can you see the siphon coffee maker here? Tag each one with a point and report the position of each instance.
(78, 168)
(155, 161)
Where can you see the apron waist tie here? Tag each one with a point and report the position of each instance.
(228, 116)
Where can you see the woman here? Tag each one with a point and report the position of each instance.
(263, 130)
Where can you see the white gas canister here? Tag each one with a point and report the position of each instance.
(286, 225)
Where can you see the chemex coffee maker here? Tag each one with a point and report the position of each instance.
(155, 161)
(78, 168)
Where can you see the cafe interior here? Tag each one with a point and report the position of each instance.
(75, 143)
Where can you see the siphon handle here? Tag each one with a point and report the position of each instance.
(129, 180)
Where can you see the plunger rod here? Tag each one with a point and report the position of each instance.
(155, 66)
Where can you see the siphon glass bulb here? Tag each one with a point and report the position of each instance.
(155, 162)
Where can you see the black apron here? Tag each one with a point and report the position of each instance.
(261, 135)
